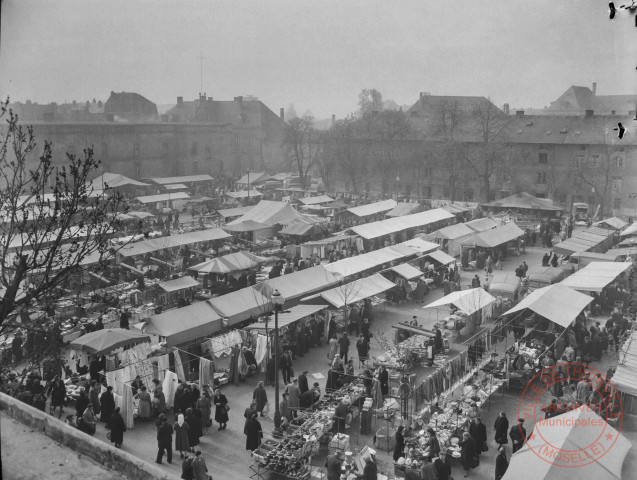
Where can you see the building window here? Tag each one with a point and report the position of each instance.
(617, 203)
(616, 184)
(195, 168)
(543, 158)
(469, 194)
(542, 178)
(594, 161)
(193, 149)
(580, 160)
(582, 148)
(428, 172)
(577, 178)
(427, 191)
(445, 191)
(208, 152)
(618, 161)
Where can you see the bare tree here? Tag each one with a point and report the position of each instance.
(52, 222)
(596, 171)
(303, 145)
(344, 149)
(488, 158)
(450, 120)
(370, 100)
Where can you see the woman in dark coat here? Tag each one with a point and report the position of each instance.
(221, 415)
(118, 427)
(501, 427)
(57, 390)
(383, 378)
(468, 452)
(194, 428)
(400, 443)
(501, 463)
(107, 403)
(182, 443)
(253, 432)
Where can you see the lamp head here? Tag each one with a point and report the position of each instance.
(277, 299)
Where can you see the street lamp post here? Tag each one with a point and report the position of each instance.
(277, 300)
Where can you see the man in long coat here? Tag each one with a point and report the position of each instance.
(260, 397)
(107, 404)
(518, 434)
(303, 386)
(294, 399)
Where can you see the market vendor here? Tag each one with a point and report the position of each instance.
(433, 445)
(342, 416)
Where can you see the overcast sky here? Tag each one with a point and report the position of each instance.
(316, 54)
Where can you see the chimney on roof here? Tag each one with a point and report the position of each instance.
(238, 99)
(180, 100)
(590, 113)
(505, 108)
(422, 98)
(519, 113)
(594, 88)
(333, 119)
(202, 98)
(282, 113)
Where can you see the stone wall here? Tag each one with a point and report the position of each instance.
(72, 438)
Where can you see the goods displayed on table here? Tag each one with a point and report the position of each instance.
(291, 456)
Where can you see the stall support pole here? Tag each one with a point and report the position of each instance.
(277, 300)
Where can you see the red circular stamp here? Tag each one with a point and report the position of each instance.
(570, 426)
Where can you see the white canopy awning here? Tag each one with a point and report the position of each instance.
(557, 303)
(442, 257)
(552, 452)
(407, 271)
(356, 291)
(286, 318)
(467, 301)
(399, 224)
(595, 276)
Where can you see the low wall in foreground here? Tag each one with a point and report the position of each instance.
(107, 455)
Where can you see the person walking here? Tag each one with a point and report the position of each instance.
(518, 434)
(118, 427)
(107, 403)
(303, 386)
(159, 401)
(182, 443)
(186, 468)
(334, 465)
(81, 403)
(286, 366)
(501, 427)
(284, 407)
(195, 431)
(343, 344)
(199, 467)
(221, 409)
(253, 432)
(57, 392)
(501, 463)
(333, 349)
(362, 346)
(294, 399)
(144, 411)
(260, 398)
(478, 432)
(468, 453)
(164, 440)
(204, 405)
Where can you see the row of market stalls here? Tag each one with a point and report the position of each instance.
(593, 239)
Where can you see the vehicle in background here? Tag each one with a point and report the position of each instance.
(539, 277)
(580, 212)
(505, 285)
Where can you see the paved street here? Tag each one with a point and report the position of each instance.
(225, 451)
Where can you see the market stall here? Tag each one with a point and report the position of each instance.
(241, 305)
(596, 276)
(503, 237)
(613, 223)
(624, 378)
(469, 309)
(322, 247)
(450, 238)
(577, 432)
(295, 285)
(183, 325)
(539, 276)
(179, 289)
(369, 262)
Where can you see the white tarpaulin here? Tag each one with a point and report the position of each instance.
(595, 276)
(557, 303)
(407, 271)
(356, 291)
(558, 442)
(399, 224)
(467, 301)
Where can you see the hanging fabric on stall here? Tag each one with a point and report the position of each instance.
(163, 365)
(233, 374)
(206, 372)
(128, 408)
(179, 368)
(169, 387)
(242, 364)
(377, 394)
(261, 349)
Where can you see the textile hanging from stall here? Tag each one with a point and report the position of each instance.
(145, 371)
(261, 349)
(169, 387)
(242, 364)
(233, 374)
(163, 365)
(222, 344)
(179, 368)
(77, 356)
(377, 394)
(128, 408)
(206, 372)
